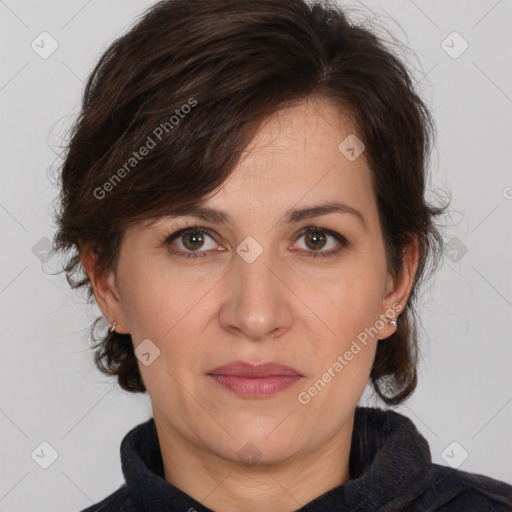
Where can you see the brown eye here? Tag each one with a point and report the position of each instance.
(193, 240)
(190, 242)
(315, 240)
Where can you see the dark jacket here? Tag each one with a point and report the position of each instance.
(390, 466)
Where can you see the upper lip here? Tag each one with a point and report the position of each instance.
(243, 369)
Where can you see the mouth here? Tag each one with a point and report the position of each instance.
(255, 381)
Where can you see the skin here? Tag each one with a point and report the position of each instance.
(286, 306)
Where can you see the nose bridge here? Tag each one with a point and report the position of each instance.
(256, 304)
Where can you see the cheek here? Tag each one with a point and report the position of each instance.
(349, 298)
(157, 297)
(342, 359)
(348, 303)
(172, 312)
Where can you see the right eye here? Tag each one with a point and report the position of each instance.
(189, 241)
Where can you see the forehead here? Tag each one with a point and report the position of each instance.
(294, 160)
(292, 166)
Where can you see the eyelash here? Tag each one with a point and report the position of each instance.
(168, 239)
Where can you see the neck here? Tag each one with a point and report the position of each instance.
(230, 485)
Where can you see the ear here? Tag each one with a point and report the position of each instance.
(105, 291)
(397, 291)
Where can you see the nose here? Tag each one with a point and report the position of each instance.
(256, 304)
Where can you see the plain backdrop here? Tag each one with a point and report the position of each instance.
(50, 390)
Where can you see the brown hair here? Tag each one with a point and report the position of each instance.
(191, 81)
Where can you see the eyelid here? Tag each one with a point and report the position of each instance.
(168, 239)
(342, 241)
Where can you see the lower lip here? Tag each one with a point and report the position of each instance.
(255, 387)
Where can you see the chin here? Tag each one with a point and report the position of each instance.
(257, 441)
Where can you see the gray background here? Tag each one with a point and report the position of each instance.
(50, 390)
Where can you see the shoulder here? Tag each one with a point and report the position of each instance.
(456, 490)
(118, 501)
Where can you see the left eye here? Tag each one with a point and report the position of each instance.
(192, 239)
(315, 237)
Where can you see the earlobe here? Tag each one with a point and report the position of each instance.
(398, 290)
(105, 292)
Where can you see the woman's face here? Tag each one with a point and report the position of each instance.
(261, 288)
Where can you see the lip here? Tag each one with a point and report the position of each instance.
(243, 369)
(255, 381)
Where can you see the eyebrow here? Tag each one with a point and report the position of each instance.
(291, 216)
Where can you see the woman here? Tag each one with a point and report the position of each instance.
(245, 190)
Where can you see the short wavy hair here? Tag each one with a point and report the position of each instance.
(234, 63)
